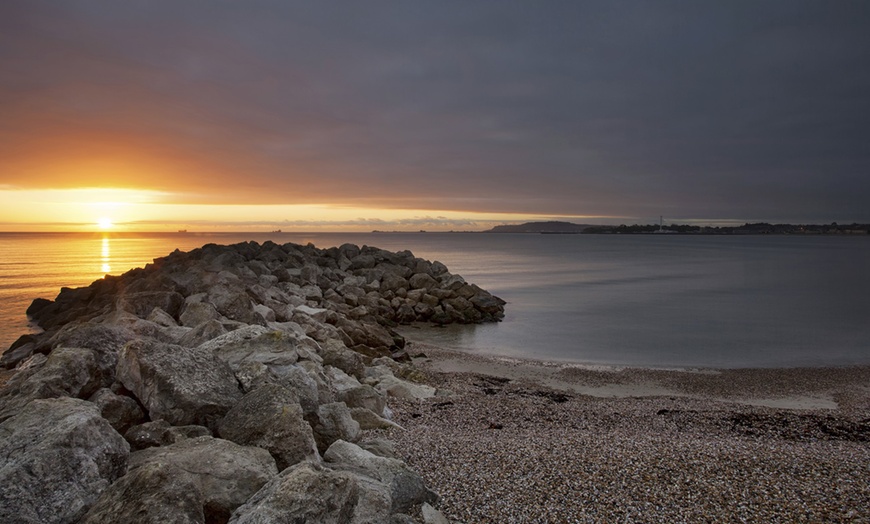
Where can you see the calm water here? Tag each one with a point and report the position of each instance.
(669, 301)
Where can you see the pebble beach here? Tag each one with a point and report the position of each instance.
(508, 440)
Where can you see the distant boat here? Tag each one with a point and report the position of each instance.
(182, 231)
(276, 231)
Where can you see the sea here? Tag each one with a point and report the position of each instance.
(656, 301)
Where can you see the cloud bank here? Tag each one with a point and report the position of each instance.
(729, 110)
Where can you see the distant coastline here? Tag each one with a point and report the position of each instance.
(758, 228)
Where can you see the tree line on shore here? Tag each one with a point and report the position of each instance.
(757, 228)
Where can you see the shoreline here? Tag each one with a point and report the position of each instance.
(515, 440)
(793, 388)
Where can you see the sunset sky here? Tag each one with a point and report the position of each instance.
(349, 115)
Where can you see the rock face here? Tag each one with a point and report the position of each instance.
(285, 352)
(304, 493)
(155, 493)
(270, 417)
(177, 384)
(406, 487)
(67, 372)
(56, 457)
(227, 474)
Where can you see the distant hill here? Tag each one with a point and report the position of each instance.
(540, 227)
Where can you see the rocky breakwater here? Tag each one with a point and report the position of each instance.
(225, 384)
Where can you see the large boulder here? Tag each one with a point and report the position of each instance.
(156, 493)
(309, 492)
(364, 396)
(235, 337)
(67, 372)
(106, 340)
(56, 457)
(388, 384)
(178, 384)
(227, 474)
(208, 330)
(275, 349)
(121, 411)
(196, 313)
(334, 421)
(367, 419)
(407, 488)
(143, 303)
(271, 418)
(422, 281)
(20, 350)
(160, 433)
(237, 306)
(335, 354)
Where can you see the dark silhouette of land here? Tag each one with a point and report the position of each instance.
(758, 228)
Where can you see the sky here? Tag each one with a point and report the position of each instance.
(345, 115)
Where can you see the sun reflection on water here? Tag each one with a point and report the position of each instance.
(106, 268)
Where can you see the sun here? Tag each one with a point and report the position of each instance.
(105, 223)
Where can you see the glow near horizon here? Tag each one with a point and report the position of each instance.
(139, 210)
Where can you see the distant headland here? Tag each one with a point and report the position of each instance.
(758, 228)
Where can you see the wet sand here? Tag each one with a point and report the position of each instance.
(510, 440)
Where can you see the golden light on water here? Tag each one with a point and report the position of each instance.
(106, 268)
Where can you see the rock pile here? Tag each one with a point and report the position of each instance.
(226, 384)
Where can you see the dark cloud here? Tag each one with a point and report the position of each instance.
(689, 109)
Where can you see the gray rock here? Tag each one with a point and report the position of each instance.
(488, 304)
(237, 306)
(369, 334)
(272, 348)
(180, 385)
(432, 515)
(156, 493)
(407, 488)
(422, 281)
(405, 314)
(20, 350)
(311, 493)
(388, 384)
(339, 381)
(266, 312)
(161, 318)
(196, 313)
(252, 375)
(143, 303)
(236, 336)
(364, 396)
(367, 419)
(393, 282)
(438, 269)
(160, 433)
(105, 340)
(121, 412)
(362, 262)
(401, 518)
(56, 457)
(380, 447)
(228, 474)
(300, 382)
(67, 372)
(271, 418)
(334, 421)
(208, 330)
(335, 354)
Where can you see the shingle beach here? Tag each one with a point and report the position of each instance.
(522, 441)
